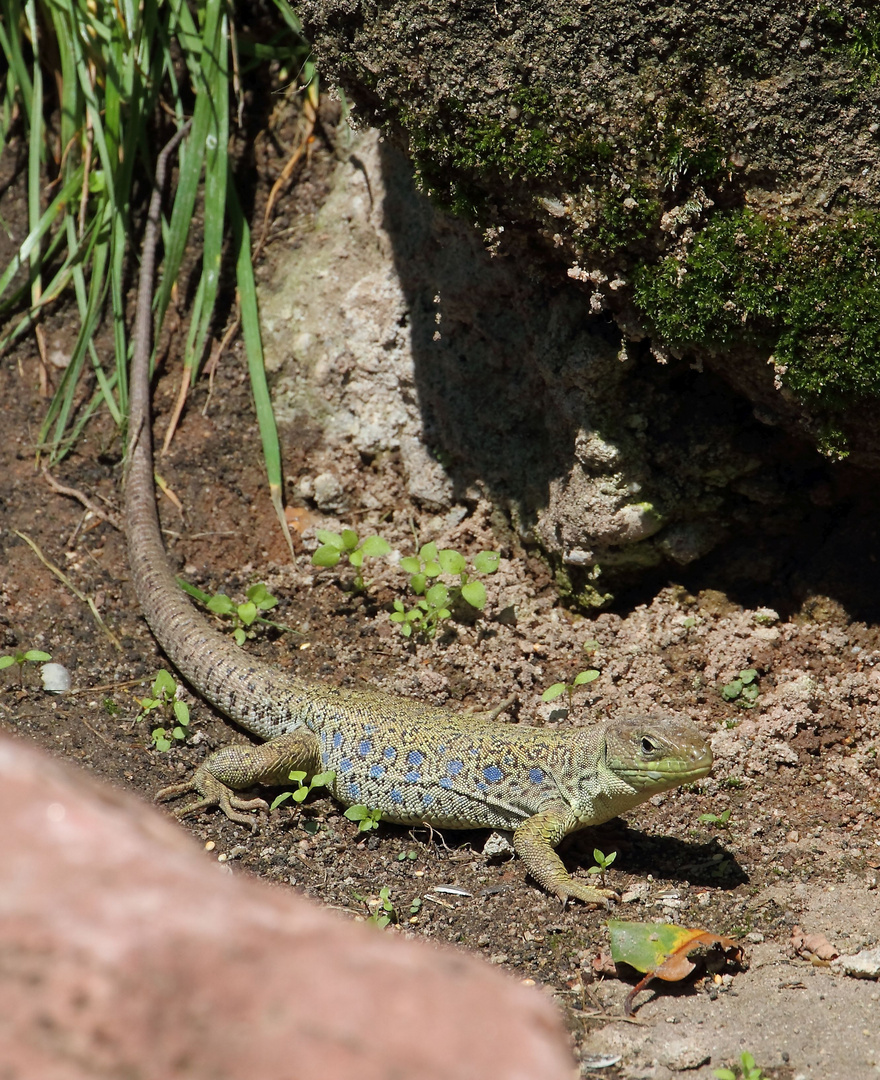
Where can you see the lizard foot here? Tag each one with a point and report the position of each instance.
(213, 793)
(588, 894)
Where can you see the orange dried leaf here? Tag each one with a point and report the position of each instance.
(660, 948)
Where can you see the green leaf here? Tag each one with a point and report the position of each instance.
(326, 556)
(240, 636)
(6, 661)
(584, 677)
(160, 739)
(411, 565)
(748, 676)
(279, 799)
(406, 629)
(220, 604)
(356, 813)
(374, 547)
(553, 692)
(418, 583)
(330, 538)
(178, 733)
(437, 595)
(487, 562)
(164, 685)
(261, 596)
(428, 552)
(475, 594)
(36, 656)
(247, 612)
(732, 690)
(451, 562)
(356, 558)
(300, 794)
(349, 539)
(725, 1074)
(324, 779)
(181, 712)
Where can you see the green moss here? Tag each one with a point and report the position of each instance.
(855, 36)
(810, 294)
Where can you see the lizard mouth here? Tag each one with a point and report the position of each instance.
(683, 767)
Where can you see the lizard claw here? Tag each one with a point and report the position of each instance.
(213, 793)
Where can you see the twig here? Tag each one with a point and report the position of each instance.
(89, 504)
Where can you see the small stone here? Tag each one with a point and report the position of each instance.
(862, 965)
(56, 678)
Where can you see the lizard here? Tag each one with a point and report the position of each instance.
(415, 762)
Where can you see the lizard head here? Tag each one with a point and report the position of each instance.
(656, 752)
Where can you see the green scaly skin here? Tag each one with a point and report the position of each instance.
(417, 763)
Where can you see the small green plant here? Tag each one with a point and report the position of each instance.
(416, 906)
(747, 1071)
(164, 702)
(439, 599)
(382, 910)
(32, 656)
(243, 617)
(719, 820)
(302, 789)
(411, 855)
(603, 861)
(384, 913)
(335, 546)
(743, 690)
(367, 819)
(559, 688)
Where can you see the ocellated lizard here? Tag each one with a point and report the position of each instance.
(414, 762)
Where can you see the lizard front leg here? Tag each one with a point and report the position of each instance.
(534, 842)
(241, 766)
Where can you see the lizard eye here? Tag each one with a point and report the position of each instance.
(648, 745)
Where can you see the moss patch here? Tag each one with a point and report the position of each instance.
(810, 294)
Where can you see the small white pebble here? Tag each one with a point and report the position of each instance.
(56, 678)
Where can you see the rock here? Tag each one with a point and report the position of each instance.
(861, 965)
(127, 953)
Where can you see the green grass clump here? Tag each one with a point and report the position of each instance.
(809, 294)
(91, 90)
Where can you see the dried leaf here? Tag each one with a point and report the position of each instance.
(661, 950)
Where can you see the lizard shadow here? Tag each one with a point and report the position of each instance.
(705, 863)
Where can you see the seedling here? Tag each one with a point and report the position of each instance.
(384, 913)
(603, 861)
(439, 599)
(302, 789)
(335, 546)
(748, 1070)
(719, 820)
(743, 690)
(164, 702)
(559, 688)
(243, 617)
(416, 906)
(32, 656)
(367, 819)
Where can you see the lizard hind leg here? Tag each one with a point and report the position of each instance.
(241, 766)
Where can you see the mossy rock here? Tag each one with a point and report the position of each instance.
(708, 173)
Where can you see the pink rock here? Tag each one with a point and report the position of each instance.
(125, 954)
